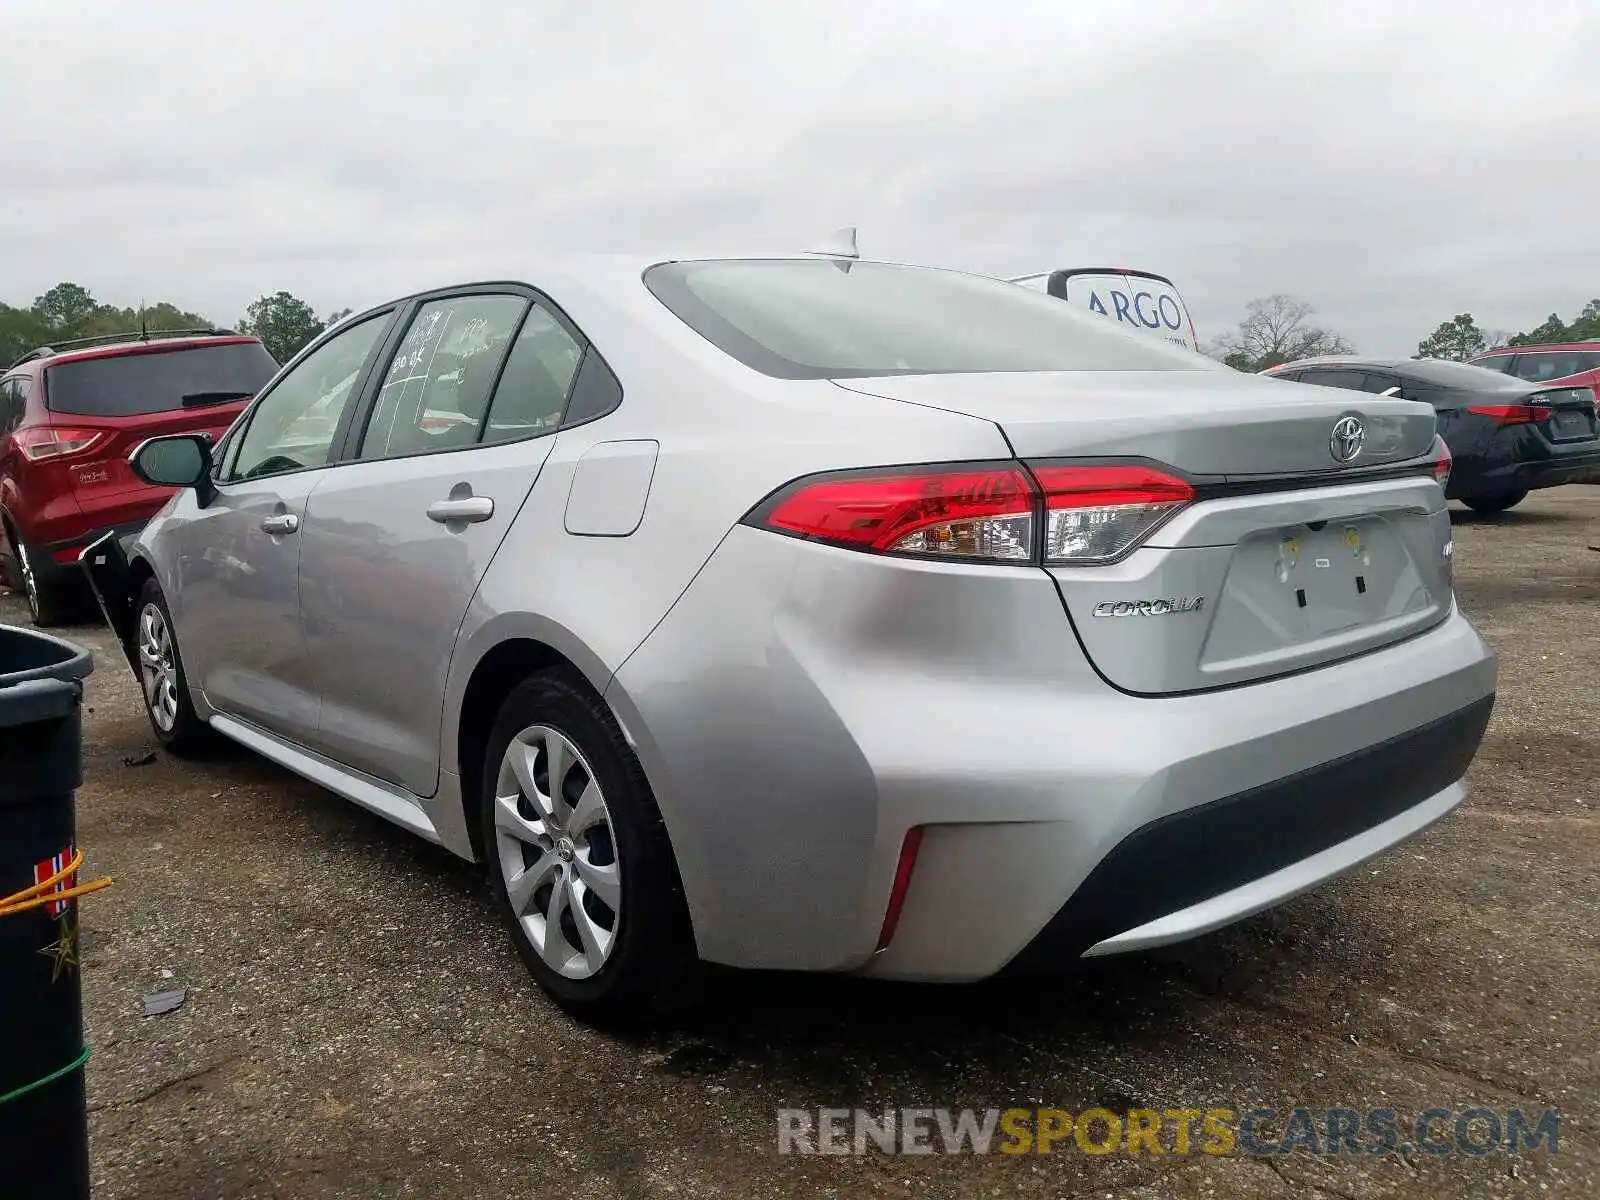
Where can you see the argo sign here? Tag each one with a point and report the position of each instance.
(1140, 300)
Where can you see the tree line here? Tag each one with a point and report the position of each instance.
(1278, 329)
(68, 311)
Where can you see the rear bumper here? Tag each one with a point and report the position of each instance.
(1202, 868)
(1579, 466)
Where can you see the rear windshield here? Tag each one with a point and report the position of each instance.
(815, 319)
(155, 381)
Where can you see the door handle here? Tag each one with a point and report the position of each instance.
(281, 524)
(468, 509)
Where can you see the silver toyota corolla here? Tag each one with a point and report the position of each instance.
(816, 613)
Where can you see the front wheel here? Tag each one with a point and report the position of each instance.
(579, 858)
(162, 679)
(1488, 506)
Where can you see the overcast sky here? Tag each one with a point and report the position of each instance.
(1391, 163)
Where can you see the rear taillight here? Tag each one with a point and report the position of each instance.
(1512, 414)
(42, 442)
(1054, 513)
(983, 513)
(1442, 460)
(1095, 514)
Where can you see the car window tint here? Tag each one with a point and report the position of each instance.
(294, 424)
(1378, 384)
(1354, 380)
(817, 319)
(8, 406)
(596, 392)
(1556, 364)
(437, 386)
(156, 381)
(532, 392)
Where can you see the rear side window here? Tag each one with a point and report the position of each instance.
(821, 319)
(1556, 364)
(1495, 362)
(157, 381)
(1356, 381)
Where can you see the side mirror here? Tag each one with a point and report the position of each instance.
(179, 460)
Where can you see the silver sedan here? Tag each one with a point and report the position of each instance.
(816, 613)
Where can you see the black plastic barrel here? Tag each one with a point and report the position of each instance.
(44, 1136)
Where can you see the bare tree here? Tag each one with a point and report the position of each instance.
(1276, 330)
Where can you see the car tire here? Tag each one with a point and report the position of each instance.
(1489, 506)
(162, 681)
(45, 604)
(579, 861)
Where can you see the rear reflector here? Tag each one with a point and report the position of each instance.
(46, 441)
(902, 881)
(1512, 414)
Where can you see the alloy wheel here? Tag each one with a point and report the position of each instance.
(30, 584)
(557, 852)
(158, 668)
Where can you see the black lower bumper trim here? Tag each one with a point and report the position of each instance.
(1190, 856)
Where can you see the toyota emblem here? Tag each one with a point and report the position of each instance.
(1348, 436)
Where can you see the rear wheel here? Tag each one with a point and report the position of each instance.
(1488, 506)
(579, 859)
(162, 678)
(45, 604)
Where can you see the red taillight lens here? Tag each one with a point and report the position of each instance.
(43, 442)
(1094, 514)
(1512, 414)
(982, 513)
(1442, 460)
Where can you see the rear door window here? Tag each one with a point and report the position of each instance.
(1554, 364)
(158, 381)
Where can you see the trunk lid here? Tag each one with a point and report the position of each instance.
(1203, 422)
(1285, 560)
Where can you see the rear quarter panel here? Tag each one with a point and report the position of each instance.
(728, 437)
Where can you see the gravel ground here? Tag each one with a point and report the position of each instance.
(358, 1025)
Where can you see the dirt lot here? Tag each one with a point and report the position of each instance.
(357, 1024)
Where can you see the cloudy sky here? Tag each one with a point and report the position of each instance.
(1391, 163)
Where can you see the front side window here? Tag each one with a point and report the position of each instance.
(820, 319)
(294, 425)
(437, 387)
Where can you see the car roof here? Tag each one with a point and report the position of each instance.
(1541, 347)
(1430, 370)
(133, 343)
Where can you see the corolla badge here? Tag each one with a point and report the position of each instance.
(1347, 438)
(1150, 608)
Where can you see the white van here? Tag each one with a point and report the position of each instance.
(1138, 299)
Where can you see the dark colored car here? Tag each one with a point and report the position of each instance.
(69, 418)
(1564, 364)
(1508, 437)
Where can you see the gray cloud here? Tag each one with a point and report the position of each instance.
(1391, 167)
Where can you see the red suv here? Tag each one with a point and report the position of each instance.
(69, 418)
(1565, 364)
